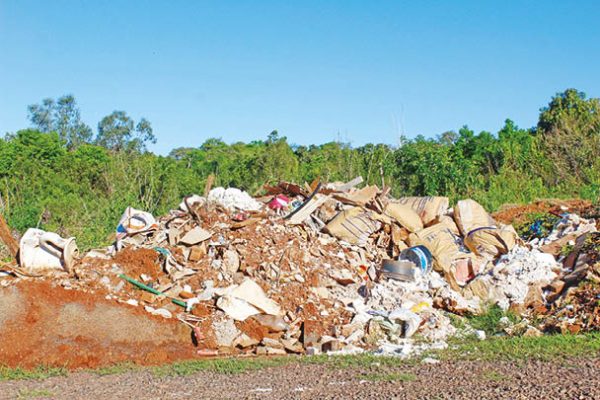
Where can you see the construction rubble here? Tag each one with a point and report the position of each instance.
(328, 268)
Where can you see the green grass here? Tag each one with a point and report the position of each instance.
(545, 348)
(25, 393)
(41, 372)
(116, 369)
(388, 377)
(494, 376)
(228, 366)
(489, 321)
(232, 366)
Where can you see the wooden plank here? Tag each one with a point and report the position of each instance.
(308, 208)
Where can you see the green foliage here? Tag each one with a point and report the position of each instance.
(58, 178)
(25, 393)
(569, 130)
(117, 133)
(61, 116)
(489, 322)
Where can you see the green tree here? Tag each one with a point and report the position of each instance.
(118, 132)
(570, 138)
(63, 117)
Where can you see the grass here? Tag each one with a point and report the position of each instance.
(25, 393)
(228, 366)
(41, 372)
(388, 377)
(489, 322)
(545, 348)
(494, 376)
(232, 366)
(557, 348)
(116, 369)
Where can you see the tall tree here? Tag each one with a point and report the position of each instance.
(118, 132)
(63, 117)
(569, 129)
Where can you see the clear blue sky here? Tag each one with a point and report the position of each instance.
(359, 71)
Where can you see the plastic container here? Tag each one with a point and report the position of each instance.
(402, 270)
(420, 256)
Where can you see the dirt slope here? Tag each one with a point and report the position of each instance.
(41, 324)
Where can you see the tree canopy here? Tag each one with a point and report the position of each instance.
(59, 176)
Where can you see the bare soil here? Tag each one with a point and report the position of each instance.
(515, 214)
(45, 325)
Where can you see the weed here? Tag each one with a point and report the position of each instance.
(515, 349)
(489, 321)
(536, 225)
(566, 250)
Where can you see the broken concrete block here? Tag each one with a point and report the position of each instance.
(225, 331)
(254, 295)
(331, 345)
(272, 343)
(197, 252)
(343, 276)
(148, 297)
(195, 236)
(231, 261)
(269, 351)
(245, 341)
(292, 345)
(273, 322)
(236, 308)
(310, 335)
(321, 292)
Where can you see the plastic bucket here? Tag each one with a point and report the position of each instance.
(402, 270)
(420, 256)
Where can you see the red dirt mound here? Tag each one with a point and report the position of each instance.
(515, 214)
(45, 325)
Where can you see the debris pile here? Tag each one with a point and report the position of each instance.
(331, 268)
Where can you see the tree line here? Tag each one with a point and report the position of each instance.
(60, 176)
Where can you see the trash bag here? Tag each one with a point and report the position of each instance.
(445, 247)
(353, 226)
(491, 242)
(428, 208)
(470, 215)
(405, 216)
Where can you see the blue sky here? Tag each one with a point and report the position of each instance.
(358, 71)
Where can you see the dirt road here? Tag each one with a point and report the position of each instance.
(571, 379)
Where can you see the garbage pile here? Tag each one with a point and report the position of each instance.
(327, 268)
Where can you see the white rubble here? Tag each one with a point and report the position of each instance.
(232, 199)
(515, 271)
